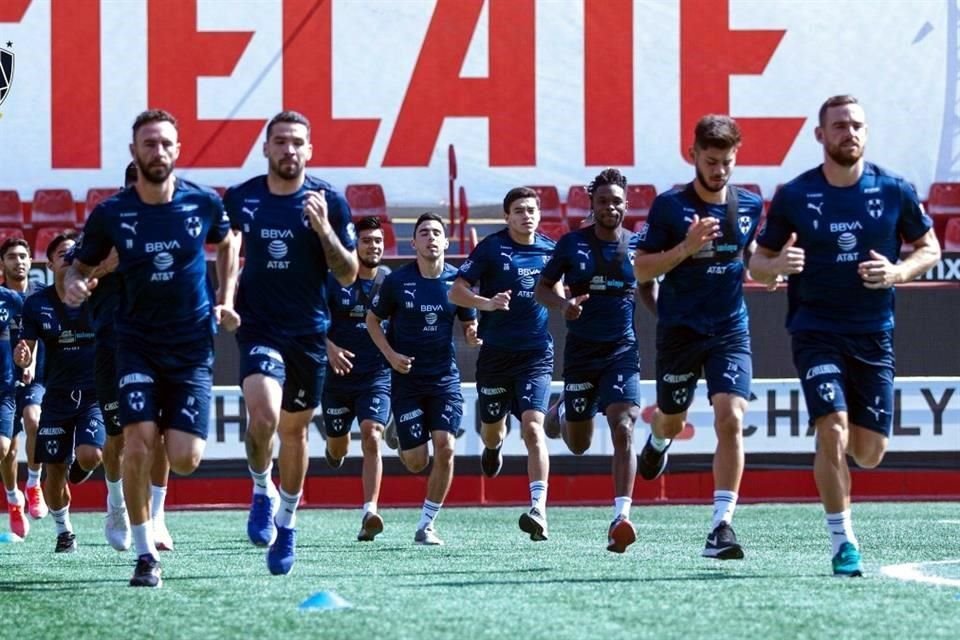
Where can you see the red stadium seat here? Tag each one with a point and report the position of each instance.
(11, 209)
(44, 236)
(95, 196)
(10, 232)
(639, 200)
(951, 235)
(367, 200)
(550, 206)
(553, 228)
(53, 206)
(578, 205)
(944, 198)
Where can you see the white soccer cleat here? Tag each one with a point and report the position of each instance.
(116, 528)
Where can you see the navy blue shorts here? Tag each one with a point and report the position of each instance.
(105, 373)
(68, 420)
(170, 387)
(27, 395)
(418, 416)
(683, 354)
(8, 406)
(298, 363)
(341, 405)
(597, 375)
(513, 381)
(852, 373)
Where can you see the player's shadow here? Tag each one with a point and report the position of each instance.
(693, 577)
(58, 584)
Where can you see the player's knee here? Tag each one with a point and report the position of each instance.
(532, 434)
(89, 457)
(262, 423)
(4, 448)
(370, 436)
(491, 437)
(338, 446)
(184, 463)
(622, 433)
(443, 454)
(669, 425)
(577, 444)
(414, 461)
(729, 426)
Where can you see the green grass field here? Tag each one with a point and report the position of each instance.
(491, 581)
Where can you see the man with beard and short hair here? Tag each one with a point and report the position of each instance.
(695, 237)
(601, 367)
(165, 323)
(27, 395)
(296, 229)
(836, 231)
(358, 376)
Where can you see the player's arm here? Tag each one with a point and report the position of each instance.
(549, 295)
(461, 295)
(341, 360)
(341, 261)
(649, 265)
(647, 293)
(94, 248)
(23, 353)
(79, 283)
(399, 362)
(768, 266)
(228, 270)
(879, 273)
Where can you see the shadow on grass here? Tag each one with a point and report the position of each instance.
(692, 577)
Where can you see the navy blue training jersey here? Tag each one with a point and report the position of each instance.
(282, 288)
(104, 302)
(608, 313)
(421, 320)
(167, 297)
(16, 328)
(500, 264)
(348, 329)
(837, 227)
(705, 291)
(68, 336)
(11, 308)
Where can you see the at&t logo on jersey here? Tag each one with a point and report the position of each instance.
(162, 263)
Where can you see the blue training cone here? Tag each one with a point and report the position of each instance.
(8, 536)
(324, 601)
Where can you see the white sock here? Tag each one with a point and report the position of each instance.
(428, 514)
(61, 519)
(840, 528)
(724, 504)
(114, 494)
(287, 513)
(14, 496)
(33, 477)
(369, 507)
(143, 540)
(538, 495)
(621, 507)
(659, 443)
(262, 482)
(158, 495)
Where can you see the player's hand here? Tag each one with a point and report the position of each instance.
(878, 272)
(699, 233)
(22, 356)
(109, 264)
(791, 258)
(400, 363)
(315, 208)
(77, 292)
(574, 307)
(226, 317)
(470, 333)
(499, 302)
(341, 360)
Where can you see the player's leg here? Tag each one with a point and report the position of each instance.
(338, 418)
(443, 414)
(29, 399)
(16, 503)
(55, 443)
(159, 479)
(531, 397)
(576, 412)
(618, 397)
(373, 412)
(495, 397)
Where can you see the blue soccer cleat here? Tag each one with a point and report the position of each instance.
(280, 556)
(847, 561)
(260, 527)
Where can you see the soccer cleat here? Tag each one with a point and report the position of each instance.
(280, 556)
(36, 505)
(161, 535)
(371, 526)
(620, 535)
(491, 461)
(722, 544)
(147, 572)
(427, 536)
(116, 528)
(77, 474)
(534, 523)
(260, 527)
(66, 542)
(18, 521)
(390, 437)
(335, 463)
(652, 462)
(847, 561)
(552, 426)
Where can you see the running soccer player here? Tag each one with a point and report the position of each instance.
(71, 425)
(696, 237)
(515, 365)
(296, 229)
(164, 327)
(425, 385)
(358, 376)
(836, 230)
(11, 308)
(601, 368)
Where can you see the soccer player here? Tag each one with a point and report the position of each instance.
(71, 425)
(11, 307)
(296, 229)
(515, 365)
(425, 385)
(164, 326)
(15, 253)
(358, 376)
(836, 230)
(696, 237)
(601, 368)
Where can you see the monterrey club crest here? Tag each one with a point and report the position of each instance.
(6, 72)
